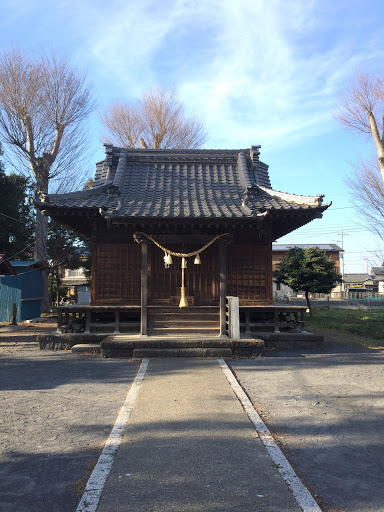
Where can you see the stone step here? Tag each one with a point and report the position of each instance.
(180, 333)
(163, 342)
(184, 323)
(182, 352)
(127, 346)
(184, 318)
(189, 309)
(83, 348)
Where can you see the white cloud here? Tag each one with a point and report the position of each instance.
(259, 71)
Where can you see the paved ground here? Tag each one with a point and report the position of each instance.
(189, 447)
(327, 409)
(57, 409)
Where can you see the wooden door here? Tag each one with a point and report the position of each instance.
(201, 281)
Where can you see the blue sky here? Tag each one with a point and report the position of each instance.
(259, 72)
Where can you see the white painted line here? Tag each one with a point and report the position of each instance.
(95, 485)
(301, 494)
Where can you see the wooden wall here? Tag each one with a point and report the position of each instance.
(116, 274)
(249, 273)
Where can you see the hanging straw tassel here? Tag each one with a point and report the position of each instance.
(183, 300)
(197, 260)
(183, 263)
(168, 259)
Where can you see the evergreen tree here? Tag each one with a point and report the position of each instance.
(309, 270)
(16, 216)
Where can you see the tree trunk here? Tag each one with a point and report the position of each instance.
(308, 303)
(50, 288)
(57, 287)
(379, 143)
(40, 250)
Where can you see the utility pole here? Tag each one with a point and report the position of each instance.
(342, 258)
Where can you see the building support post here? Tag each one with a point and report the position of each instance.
(223, 287)
(59, 320)
(117, 322)
(144, 289)
(87, 321)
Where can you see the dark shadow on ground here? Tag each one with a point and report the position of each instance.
(47, 483)
(48, 370)
(326, 408)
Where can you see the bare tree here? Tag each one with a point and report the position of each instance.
(157, 120)
(367, 194)
(43, 104)
(362, 109)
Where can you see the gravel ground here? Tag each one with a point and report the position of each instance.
(326, 409)
(57, 411)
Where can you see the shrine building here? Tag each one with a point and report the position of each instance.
(182, 229)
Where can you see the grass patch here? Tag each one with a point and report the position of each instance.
(349, 325)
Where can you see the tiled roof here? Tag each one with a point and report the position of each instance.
(357, 278)
(377, 271)
(197, 183)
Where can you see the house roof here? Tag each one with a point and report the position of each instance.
(27, 263)
(357, 278)
(378, 271)
(323, 247)
(179, 184)
(6, 269)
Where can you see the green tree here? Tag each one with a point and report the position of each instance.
(309, 270)
(16, 216)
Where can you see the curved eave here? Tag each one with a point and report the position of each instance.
(294, 198)
(294, 218)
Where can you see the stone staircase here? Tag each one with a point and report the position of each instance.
(190, 321)
(199, 346)
(173, 332)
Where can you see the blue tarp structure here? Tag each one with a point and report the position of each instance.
(24, 290)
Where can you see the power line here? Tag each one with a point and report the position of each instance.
(17, 220)
(343, 208)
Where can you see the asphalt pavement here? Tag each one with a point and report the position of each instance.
(189, 446)
(326, 408)
(57, 409)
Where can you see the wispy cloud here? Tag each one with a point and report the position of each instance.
(257, 71)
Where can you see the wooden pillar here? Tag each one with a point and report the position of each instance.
(144, 289)
(302, 317)
(247, 321)
(14, 314)
(59, 319)
(87, 321)
(117, 322)
(223, 287)
(276, 320)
